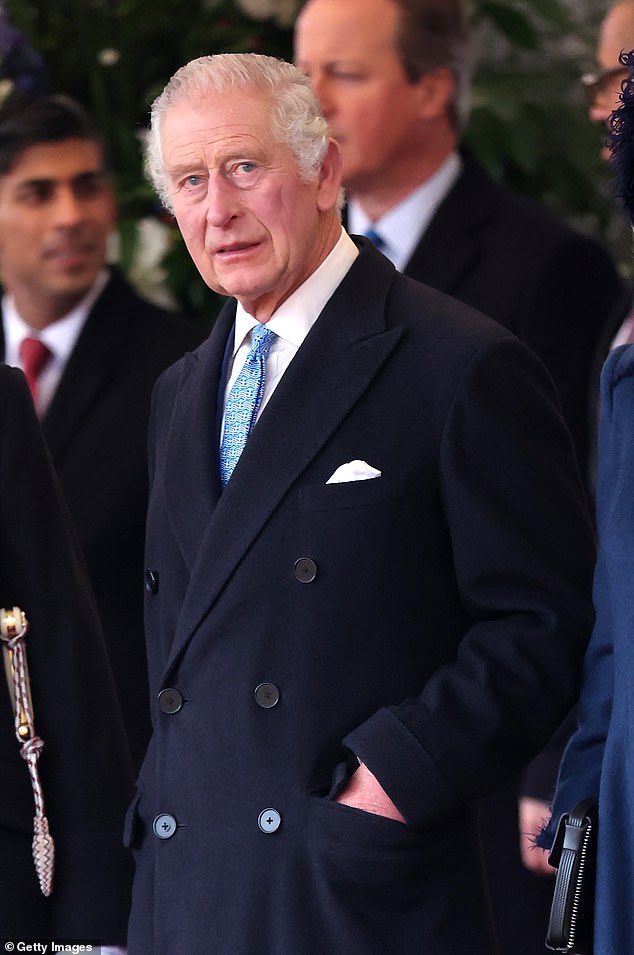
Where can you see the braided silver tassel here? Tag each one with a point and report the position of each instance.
(43, 854)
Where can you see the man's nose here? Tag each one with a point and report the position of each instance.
(68, 208)
(223, 201)
(323, 92)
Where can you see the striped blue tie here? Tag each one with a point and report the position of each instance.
(243, 401)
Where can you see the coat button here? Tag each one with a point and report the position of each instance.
(269, 820)
(170, 701)
(305, 570)
(151, 581)
(267, 695)
(164, 826)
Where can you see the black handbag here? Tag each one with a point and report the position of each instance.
(574, 853)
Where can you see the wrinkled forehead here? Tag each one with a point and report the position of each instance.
(246, 102)
(217, 114)
(220, 123)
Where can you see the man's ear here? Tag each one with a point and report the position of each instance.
(329, 177)
(436, 91)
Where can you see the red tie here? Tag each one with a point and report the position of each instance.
(34, 355)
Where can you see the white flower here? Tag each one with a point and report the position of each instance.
(6, 88)
(108, 56)
(153, 239)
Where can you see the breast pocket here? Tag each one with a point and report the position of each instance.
(349, 494)
(351, 532)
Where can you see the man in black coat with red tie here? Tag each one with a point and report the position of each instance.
(102, 347)
(372, 559)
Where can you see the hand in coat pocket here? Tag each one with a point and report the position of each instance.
(363, 791)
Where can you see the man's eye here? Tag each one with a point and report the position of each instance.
(244, 168)
(36, 194)
(88, 186)
(193, 181)
(348, 76)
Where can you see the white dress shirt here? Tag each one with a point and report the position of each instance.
(403, 226)
(293, 320)
(59, 337)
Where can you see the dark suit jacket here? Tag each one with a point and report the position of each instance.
(96, 429)
(551, 286)
(84, 766)
(430, 621)
(599, 760)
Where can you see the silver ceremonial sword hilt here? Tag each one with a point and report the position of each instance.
(13, 628)
(13, 625)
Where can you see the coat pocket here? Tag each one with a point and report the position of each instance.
(369, 493)
(377, 886)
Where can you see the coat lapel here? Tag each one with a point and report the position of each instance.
(335, 365)
(89, 368)
(450, 246)
(193, 438)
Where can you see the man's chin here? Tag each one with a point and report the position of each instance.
(73, 278)
(71, 291)
(232, 287)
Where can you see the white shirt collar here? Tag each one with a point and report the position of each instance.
(403, 226)
(295, 317)
(59, 336)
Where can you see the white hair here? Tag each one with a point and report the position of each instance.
(296, 119)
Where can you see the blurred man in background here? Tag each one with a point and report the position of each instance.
(392, 78)
(91, 349)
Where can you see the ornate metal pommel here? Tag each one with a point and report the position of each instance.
(13, 627)
(12, 623)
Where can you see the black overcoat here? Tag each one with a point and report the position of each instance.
(431, 621)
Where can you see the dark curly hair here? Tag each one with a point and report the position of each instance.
(620, 139)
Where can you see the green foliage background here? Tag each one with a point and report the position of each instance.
(529, 121)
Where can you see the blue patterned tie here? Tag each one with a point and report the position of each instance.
(243, 401)
(375, 238)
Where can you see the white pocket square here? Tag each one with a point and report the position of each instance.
(353, 471)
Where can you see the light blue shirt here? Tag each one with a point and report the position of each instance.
(403, 226)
